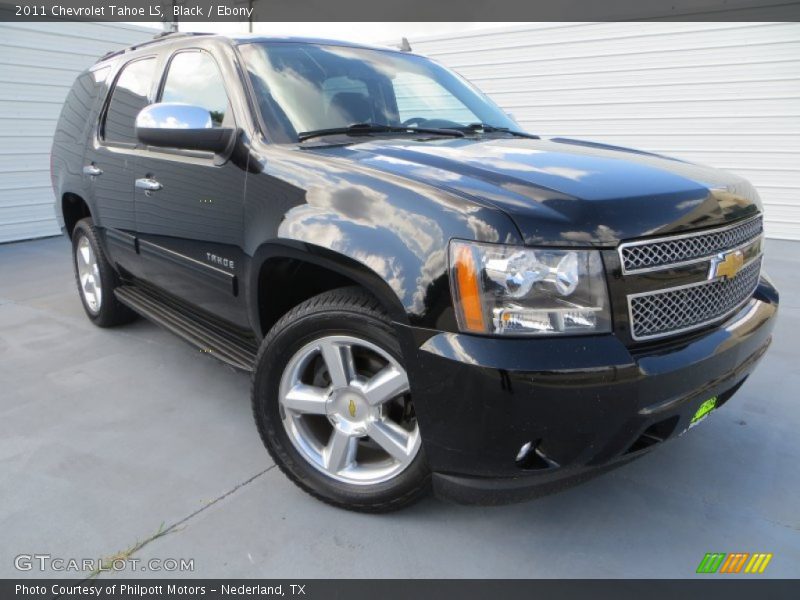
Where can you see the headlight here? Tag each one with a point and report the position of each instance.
(511, 290)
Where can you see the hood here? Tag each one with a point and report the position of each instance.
(566, 192)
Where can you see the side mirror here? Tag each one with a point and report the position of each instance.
(172, 125)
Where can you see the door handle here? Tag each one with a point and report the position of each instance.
(92, 170)
(149, 185)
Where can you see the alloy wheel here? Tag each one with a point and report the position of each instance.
(346, 408)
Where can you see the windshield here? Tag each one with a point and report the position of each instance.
(304, 87)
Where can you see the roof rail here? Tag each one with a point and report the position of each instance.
(159, 37)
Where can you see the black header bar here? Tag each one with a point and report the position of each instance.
(399, 10)
(112, 588)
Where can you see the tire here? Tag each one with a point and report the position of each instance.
(297, 352)
(91, 266)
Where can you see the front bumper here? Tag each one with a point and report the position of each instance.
(585, 404)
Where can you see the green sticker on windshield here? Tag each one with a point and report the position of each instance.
(705, 408)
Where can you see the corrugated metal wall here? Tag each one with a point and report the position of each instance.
(38, 63)
(722, 94)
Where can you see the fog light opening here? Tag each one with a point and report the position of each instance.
(530, 457)
(655, 434)
(523, 452)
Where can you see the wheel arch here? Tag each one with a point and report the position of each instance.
(73, 209)
(309, 270)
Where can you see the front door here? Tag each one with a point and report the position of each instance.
(189, 205)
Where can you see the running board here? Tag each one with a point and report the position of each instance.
(210, 337)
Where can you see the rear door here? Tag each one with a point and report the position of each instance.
(110, 159)
(190, 230)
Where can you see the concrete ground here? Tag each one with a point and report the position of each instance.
(108, 437)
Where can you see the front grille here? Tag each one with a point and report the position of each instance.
(649, 255)
(683, 308)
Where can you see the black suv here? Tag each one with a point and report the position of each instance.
(426, 295)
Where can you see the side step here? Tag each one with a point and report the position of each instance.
(215, 339)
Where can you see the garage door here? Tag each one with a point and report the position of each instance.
(38, 63)
(722, 94)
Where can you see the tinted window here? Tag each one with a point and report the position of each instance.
(127, 99)
(76, 116)
(193, 78)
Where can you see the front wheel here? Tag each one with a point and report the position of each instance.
(331, 399)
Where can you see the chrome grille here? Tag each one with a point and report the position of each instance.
(650, 255)
(655, 314)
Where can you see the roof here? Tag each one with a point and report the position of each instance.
(245, 39)
(256, 38)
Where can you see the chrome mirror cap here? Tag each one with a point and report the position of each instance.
(172, 115)
(182, 126)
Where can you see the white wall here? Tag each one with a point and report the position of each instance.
(38, 63)
(722, 94)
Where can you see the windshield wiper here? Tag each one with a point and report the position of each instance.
(368, 128)
(476, 127)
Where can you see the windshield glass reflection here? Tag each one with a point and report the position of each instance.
(309, 87)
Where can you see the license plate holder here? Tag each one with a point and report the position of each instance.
(705, 409)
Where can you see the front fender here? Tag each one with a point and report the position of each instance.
(390, 232)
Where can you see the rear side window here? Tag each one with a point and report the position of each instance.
(76, 115)
(127, 99)
(194, 78)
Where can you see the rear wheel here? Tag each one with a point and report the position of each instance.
(96, 278)
(332, 402)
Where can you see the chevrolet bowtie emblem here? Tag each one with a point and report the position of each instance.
(352, 408)
(726, 265)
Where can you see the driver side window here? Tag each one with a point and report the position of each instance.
(421, 97)
(194, 78)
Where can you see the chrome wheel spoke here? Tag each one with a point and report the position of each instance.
(96, 278)
(392, 438)
(339, 361)
(306, 399)
(340, 451)
(388, 383)
(84, 253)
(88, 286)
(88, 275)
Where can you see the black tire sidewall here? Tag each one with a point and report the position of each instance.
(282, 343)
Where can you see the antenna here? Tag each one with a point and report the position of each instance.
(173, 24)
(404, 45)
